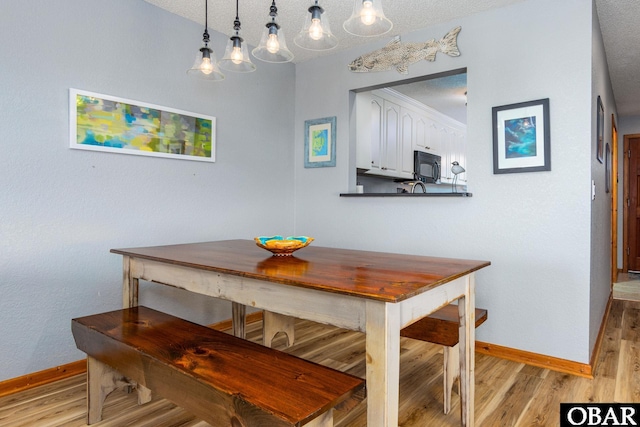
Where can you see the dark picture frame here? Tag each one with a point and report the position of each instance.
(600, 130)
(522, 137)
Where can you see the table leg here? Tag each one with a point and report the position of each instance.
(129, 285)
(466, 313)
(238, 317)
(383, 363)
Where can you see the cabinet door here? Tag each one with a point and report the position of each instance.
(427, 136)
(391, 146)
(377, 132)
(408, 136)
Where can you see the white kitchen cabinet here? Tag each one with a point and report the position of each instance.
(390, 126)
(426, 133)
(390, 155)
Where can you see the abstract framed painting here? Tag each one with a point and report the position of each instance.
(106, 123)
(320, 142)
(521, 137)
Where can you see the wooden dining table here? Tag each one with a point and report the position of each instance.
(376, 293)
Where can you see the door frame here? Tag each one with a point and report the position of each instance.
(625, 203)
(614, 201)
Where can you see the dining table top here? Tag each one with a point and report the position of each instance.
(382, 276)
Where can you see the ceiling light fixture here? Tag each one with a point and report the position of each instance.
(316, 33)
(273, 46)
(236, 56)
(367, 19)
(205, 66)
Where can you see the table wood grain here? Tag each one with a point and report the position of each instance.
(381, 276)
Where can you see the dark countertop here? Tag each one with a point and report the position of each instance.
(406, 194)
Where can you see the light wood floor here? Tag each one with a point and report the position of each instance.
(507, 393)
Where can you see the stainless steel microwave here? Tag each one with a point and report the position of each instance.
(426, 167)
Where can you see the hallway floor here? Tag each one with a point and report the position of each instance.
(627, 287)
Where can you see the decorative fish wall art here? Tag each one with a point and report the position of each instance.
(400, 55)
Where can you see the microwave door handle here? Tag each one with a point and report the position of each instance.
(436, 172)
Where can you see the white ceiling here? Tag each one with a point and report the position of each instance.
(621, 37)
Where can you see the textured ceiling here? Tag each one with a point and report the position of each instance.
(620, 33)
(619, 21)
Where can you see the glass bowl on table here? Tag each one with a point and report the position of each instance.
(280, 246)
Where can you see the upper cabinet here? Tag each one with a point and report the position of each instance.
(390, 126)
(387, 153)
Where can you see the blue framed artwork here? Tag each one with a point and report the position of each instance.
(320, 143)
(521, 137)
(106, 123)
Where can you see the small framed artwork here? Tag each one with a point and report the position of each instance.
(320, 142)
(607, 167)
(106, 123)
(600, 134)
(521, 137)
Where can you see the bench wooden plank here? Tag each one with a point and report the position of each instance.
(441, 326)
(221, 379)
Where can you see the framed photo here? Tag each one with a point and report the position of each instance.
(600, 134)
(320, 142)
(607, 168)
(117, 125)
(521, 137)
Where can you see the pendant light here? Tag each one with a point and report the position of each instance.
(367, 19)
(316, 34)
(236, 56)
(205, 66)
(272, 47)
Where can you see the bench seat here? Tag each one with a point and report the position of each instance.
(443, 327)
(222, 379)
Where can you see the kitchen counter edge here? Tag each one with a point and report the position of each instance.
(406, 194)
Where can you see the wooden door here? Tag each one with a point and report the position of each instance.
(633, 204)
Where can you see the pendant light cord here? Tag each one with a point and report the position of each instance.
(205, 36)
(236, 23)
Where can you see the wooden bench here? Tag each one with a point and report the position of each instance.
(222, 379)
(442, 327)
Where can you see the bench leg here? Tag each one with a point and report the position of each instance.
(144, 394)
(101, 381)
(238, 313)
(324, 420)
(451, 372)
(272, 323)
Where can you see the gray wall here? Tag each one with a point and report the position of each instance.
(62, 210)
(533, 227)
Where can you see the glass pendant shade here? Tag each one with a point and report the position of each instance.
(316, 33)
(205, 67)
(236, 56)
(367, 19)
(273, 46)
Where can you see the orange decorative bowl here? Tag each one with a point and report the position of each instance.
(280, 246)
